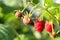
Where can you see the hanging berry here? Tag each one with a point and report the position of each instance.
(18, 14)
(49, 26)
(26, 19)
(39, 25)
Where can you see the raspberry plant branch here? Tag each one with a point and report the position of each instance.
(24, 2)
(34, 7)
(38, 24)
(25, 6)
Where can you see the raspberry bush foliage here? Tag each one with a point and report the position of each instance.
(30, 20)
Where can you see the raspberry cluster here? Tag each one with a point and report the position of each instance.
(39, 24)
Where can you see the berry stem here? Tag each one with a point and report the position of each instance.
(43, 3)
(58, 31)
(24, 2)
(31, 1)
(34, 7)
(25, 6)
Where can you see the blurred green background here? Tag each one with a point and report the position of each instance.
(25, 32)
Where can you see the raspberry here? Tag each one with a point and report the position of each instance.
(39, 25)
(48, 26)
(26, 21)
(18, 14)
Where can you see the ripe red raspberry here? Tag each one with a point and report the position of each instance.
(18, 14)
(48, 26)
(39, 25)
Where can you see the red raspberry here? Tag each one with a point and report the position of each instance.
(18, 14)
(39, 25)
(48, 26)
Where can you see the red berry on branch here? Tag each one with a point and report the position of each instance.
(39, 25)
(18, 14)
(48, 26)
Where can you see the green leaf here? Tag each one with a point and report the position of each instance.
(13, 3)
(49, 3)
(6, 33)
(10, 17)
